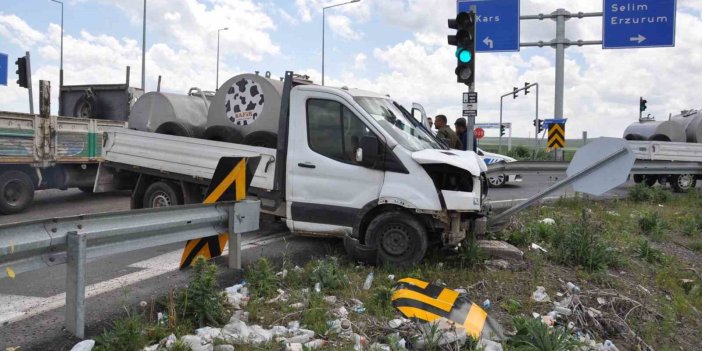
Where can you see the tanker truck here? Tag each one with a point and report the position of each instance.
(334, 162)
(677, 139)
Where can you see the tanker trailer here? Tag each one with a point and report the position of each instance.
(172, 114)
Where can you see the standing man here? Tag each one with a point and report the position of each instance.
(445, 132)
(462, 131)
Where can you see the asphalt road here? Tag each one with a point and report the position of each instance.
(32, 304)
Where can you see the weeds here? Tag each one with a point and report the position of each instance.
(261, 278)
(203, 302)
(130, 333)
(643, 193)
(512, 306)
(691, 225)
(471, 254)
(315, 317)
(648, 253)
(533, 232)
(329, 275)
(581, 245)
(696, 246)
(651, 224)
(534, 335)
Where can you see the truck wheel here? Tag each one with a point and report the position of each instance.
(162, 194)
(222, 133)
(650, 180)
(401, 240)
(497, 181)
(16, 192)
(172, 128)
(682, 182)
(638, 178)
(262, 139)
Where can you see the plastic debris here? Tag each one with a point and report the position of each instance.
(238, 295)
(609, 346)
(395, 323)
(315, 344)
(540, 295)
(195, 343)
(297, 305)
(563, 310)
(461, 291)
(168, 341)
(330, 299)
(298, 269)
(537, 247)
(548, 221)
(85, 345)
(282, 274)
(342, 327)
(379, 347)
(443, 332)
(391, 277)
(282, 296)
(294, 346)
(224, 348)
(369, 281)
(574, 289)
(317, 287)
(208, 334)
(359, 342)
(341, 312)
(153, 347)
(486, 303)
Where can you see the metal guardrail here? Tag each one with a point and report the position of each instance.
(73, 240)
(560, 167)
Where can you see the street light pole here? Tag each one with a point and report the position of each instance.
(61, 69)
(323, 21)
(217, 81)
(143, 52)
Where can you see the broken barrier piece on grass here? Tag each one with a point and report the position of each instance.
(427, 302)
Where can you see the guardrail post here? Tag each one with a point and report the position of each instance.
(234, 240)
(75, 283)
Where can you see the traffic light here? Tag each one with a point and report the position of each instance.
(502, 129)
(464, 40)
(642, 104)
(22, 72)
(526, 88)
(514, 92)
(541, 124)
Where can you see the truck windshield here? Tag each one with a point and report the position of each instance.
(395, 122)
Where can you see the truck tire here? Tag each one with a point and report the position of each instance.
(682, 182)
(399, 238)
(170, 128)
(223, 133)
(650, 180)
(162, 194)
(638, 178)
(262, 139)
(16, 191)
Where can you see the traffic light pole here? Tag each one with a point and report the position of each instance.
(536, 124)
(29, 84)
(471, 88)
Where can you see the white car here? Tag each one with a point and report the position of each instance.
(500, 180)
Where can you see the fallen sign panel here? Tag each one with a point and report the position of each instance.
(614, 160)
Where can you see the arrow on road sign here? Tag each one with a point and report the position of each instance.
(556, 136)
(488, 42)
(638, 39)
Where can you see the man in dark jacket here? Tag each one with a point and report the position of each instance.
(462, 132)
(445, 132)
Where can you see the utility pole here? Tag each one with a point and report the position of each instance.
(217, 79)
(143, 52)
(513, 93)
(61, 67)
(470, 138)
(324, 9)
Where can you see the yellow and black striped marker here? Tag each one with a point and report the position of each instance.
(556, 136)
(420, 300)
(228, 183)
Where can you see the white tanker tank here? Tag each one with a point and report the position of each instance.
(691, 122)
(655, 130)
(173, 114)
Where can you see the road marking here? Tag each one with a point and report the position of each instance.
(15, 308)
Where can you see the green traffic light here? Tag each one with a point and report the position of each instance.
(464, 55)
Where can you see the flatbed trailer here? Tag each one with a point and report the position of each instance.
(47, 153)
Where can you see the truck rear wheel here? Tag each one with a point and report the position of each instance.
(400, 239)
(16, 191)
(162, 194)
(682, 182)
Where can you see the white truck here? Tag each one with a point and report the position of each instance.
(348, 163)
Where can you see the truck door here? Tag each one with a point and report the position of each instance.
(327, 187)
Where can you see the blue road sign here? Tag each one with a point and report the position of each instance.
(3, 69)
(548, 122)
(638, 23)
(497, 24)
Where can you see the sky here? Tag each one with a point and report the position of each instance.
(395, 47)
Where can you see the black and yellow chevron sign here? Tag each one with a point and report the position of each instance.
(556, 136)
(418, 299)
(228, 183)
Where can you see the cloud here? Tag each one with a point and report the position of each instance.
(18, 31)
(341, 26)
(359, 61)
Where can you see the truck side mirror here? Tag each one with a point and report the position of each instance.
(369, 151)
